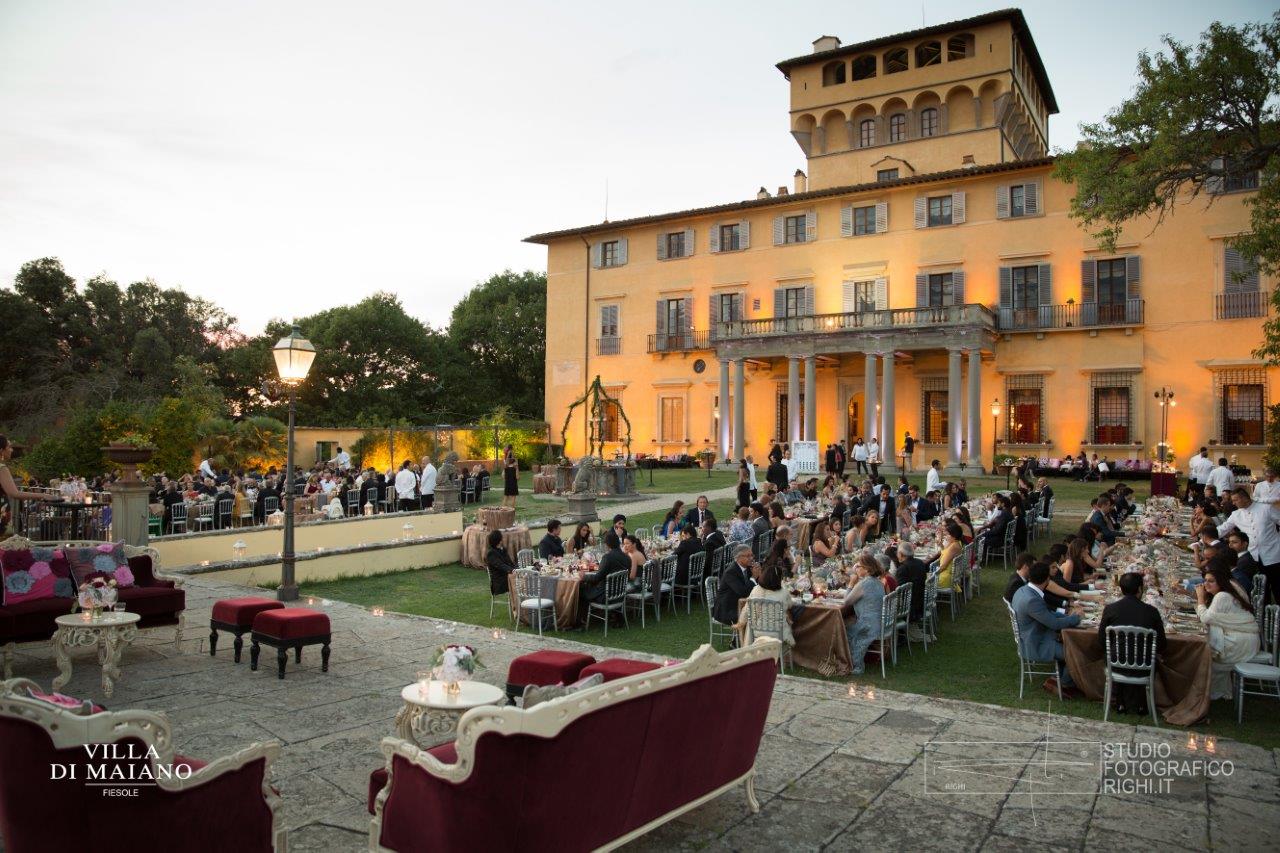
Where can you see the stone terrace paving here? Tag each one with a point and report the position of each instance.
(835, 772)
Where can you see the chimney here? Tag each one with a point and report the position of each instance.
(802, 182)
(762, 193)
(782, 191)
(968, 162)
(823, 43)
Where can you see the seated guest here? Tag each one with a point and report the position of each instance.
(952, 545)
(913, 571)
(927, 507)
(961, 496)
(1131, 610)
(1038, 628)
(700, 513)
(499, 563)
(1233, 630)
(794, 493)
(1101, 518)
(1078, 568)
(688, 546)
(994, 529)
(740, 529)
(735, 584)
(592, 588)
(824, 542)
(551, 545)
(853, 539)
(864, 604)
(769, 588)
(620, 526)
(712, 539)
(779, 556)
(1246, 566)
(673, 519)
(777, 515)
(582, 538)
(759, 521)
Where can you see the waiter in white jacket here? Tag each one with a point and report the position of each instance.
(427, 483)
(1260, 521)
(407, 487)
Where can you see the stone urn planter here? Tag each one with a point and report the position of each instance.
(128, 457)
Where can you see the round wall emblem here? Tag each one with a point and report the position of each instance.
(699, 365)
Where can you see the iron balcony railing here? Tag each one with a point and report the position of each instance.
(608, 346)
(895, 318)
(680, 342)
(1234, 306)
(1085, 315)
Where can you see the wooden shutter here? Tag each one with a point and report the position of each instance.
(779, 230)
(1133, 289)
(1002, 201)
(882, 217)
(922, 212)
(849, 297)
(662, 247)
(688, 242)
(1031, 198)
(713, 315)
(922, 290)
(808, 301)
(1006, 297)
(882, 294)
(1089, 292)
(622, 252)
(1240, 275)
(735, 307)
(661, 325)
(715, 237)
(957, 208)
(1045, 287)
(810, 226)
(846, 220)
(780, 302)
(686, 319)
(944, 119)
(744, 234)
(957, 287)
(1213, 183)
(596, 250)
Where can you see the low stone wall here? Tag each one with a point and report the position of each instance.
(325, 563)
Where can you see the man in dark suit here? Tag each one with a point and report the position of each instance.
(1038, 628)
(926, 508)
(613, 561)
(1246, 565)
(842, 459)
(499, 564)
(1131, 610)
(699, 514)
(712, 539)
(1101, 516)
(777, 474)
(551, 545)
(735, 585)
(689, 545)
(913, 571)
(369, 491)
(759, 521)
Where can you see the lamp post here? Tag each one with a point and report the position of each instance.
(1165, 398)
(293, 354)
(995, 419)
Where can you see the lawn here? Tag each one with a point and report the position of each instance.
(974, 659)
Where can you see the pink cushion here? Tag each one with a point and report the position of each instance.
(107, 559)
(548, 667)
(291, 623)
(614, 668)
(241, 611)
(83, 707)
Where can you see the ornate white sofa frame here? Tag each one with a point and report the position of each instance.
(18, 543)
(550, 718)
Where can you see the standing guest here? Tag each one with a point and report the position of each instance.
(735, 584)
(1267, 490)
(712, 539)
(829, 459)
(510, 477)
(1221, 477)
(744, 484)
(913, 571)
(342, 460)
(406, 487)
(551, 545)
(592, 587)
(753, 485)
(865, 603)
(933, 480)
(873, 457)
(1258, 521)
(1131, 611)
(775, 452)
(499, 564)
(859, 453)
(1038, 628)
(776, 472)
(1233, 630)
(792, 466)
(9, 488)
(1198, 474)
(908, 450)
(582, 538)
(688, 546)
(700, 512)
(427, 485)
(206, 468)
(842, 458)
(672, 521)
(1246, 566)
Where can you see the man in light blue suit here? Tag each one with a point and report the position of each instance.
(1038, 628)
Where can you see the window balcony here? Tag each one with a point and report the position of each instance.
(1235, 306)
(680, 342)
(894, 319)
(1085, 315)
(608, 346)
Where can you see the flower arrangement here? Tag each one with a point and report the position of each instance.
(454, 662)
(132, 439)
(97, 594)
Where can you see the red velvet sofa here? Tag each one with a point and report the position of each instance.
(158, 599)
(193, 805)
(588, 771)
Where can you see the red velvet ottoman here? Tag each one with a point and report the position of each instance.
(235, 616)
(614, 668)
(545, 668)
(290, 628)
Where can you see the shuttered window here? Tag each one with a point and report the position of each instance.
(610, 419)
(933, 392)
(1017, 200)
(929, 122)
(1025, 421)
(671, 419)
(864, 220)
(1242, 404)
(1111, 409)
(795, 304)
(939, 210)
(675, 245)
(730, 238)
(794, 229)
(866, 133)
(941, 290)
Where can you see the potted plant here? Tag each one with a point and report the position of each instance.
(129, 451)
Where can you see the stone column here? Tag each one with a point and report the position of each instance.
(954, 431)
(793, 400)
(974, 433)
(888, 449)
(869, 396)
(130, 513)
(725, 413)
(739, 410)
(811, 398)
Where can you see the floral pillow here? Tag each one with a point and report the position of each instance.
(105, 560)
(79, 707)
(25, 577)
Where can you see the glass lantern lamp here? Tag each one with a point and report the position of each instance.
(238, 549)
(407, 530)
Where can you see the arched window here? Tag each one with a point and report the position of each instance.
(897, 128)
(867, 133)
(864, 67)
(929, 53)
(833, 74)
(895, 60)
(929, 122)
(960, 47)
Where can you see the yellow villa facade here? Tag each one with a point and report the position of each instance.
(920, 268)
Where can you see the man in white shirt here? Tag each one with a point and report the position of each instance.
(407, 487)
(1259, 521)
(1221, 478)
(206, 469)
(342, 460)
(873, 456)
(753, 486)
(1268, 491)
(327, 483)
(933, 480)
(792, 466)
(1198, 472)
(427, 485)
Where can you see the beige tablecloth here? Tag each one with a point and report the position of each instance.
(475, 543)
(566, 598)
(544, 484)
(821, 642)
(803, 528)
(1183, 673)
(496, 517)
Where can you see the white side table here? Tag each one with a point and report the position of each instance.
(432, 719)
(110, 632)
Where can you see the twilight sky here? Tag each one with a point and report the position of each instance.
(284, 157)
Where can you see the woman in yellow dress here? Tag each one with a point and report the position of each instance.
(952, 547)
